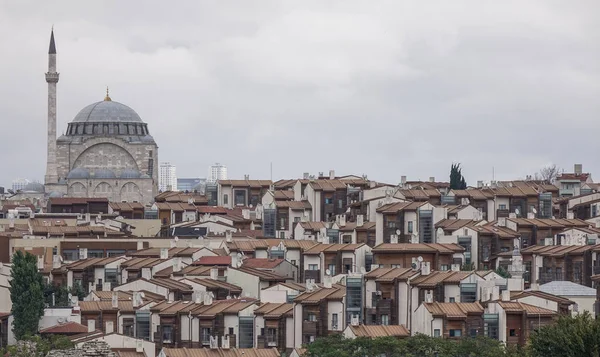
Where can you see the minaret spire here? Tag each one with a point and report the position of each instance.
(51, 78)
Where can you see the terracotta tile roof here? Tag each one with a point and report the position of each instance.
(390, 274)
(175, 206)
(328, 185)
(97, 306)
(451, 225)
(400, 207)
(139, 263)
(294, 205)
(448, 248)
(68, 328)
(374, 331)
(275, 310)
(173, 252)
(313, 226)
(247, 245)
(330, 248)
(263, 275)
(516, 295)
(93, 262)
(420, 195)
(171, 284)
(288, 184)
(210, 260)
(281, 195)
(231, 306)
(493, 229)
(56, 201)
(351, 226)
(246, 183)
(194, 270)
(182, 197)
(554, 223)
(520, 307)
(174, 307)
(559, 250)
(211, 284)
(573, 176)
(301, 244)
(126, 206)
(107, 295)
(440, 277)
(262, 263)
(474, 194)
(454, 310)
(336, 292)
(211, 209)
(219, 352)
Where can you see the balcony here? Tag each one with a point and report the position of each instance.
(309, 327)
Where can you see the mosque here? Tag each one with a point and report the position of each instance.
(106, 151)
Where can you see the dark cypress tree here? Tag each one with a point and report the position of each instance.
(457, 181)
(27, 295)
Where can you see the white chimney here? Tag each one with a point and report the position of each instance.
(139, 346)
(354, 321)
(55, 261)
(479, 184)
(164, 253)
(428, 297)
(40, 262)
(431, 179)
(455, 267)
(198, 298)
(570, 215)
(176, 264)
(342, 220)
(109, 327)
(578, 168)
(11, 222)
(225, 342)
(228, 236)
(208, 298)
(495, 293)
(106, 286)
(394, 239)
(135, 299)
(360, 220)
(501, 221)
(91, 287)
(505, 295)
(535, 286)
(530, 215)
(425, 268)
(173, 243)
(246, 213)
(91, 325)
(327, 282)
(403, 180)
(234, 261)
(331, 174)
(115, 300)
(306, 175)
(214, 273)
(88, 217)
(82, 253)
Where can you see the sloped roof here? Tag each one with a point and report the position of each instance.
(213, 260)
(262, 263)
(519, 307)
(390, 274)
(274, 310)
(567, 288)
(454, 310)
(69, 328)
(448, 248)
(220, 352)
(374, 331)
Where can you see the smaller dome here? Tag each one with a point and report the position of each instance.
(55, 194)
(78, 173)
(34, 187)
(103, 174)
(130, 174)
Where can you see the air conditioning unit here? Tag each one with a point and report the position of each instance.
(272, 344)
(214, 342)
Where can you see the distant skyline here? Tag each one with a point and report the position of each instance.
(401, 88)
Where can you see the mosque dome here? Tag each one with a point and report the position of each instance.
(78, 173)
(55, 194)
(103, 174)
(130, 174)
(34, 187)
(108, 118)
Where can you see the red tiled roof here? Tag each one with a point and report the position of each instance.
(217, 260)
(75, 200)
(212, 209)
(66, 328)
(262, 263)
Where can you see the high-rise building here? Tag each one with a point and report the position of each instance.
(167, 177)
(19, 184)
(217, 172)
(191, 184)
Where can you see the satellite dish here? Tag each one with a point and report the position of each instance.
(398, 231)
(420, 259)
(534, 210)
(239, 256)
(176, 238)
(328, 272)
(414, 266)
(517, 211)
(363, 270)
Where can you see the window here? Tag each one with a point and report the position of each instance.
(313, 267)
(70, 254)
(115, 252)
(296, 219)
(143, 324)
(205, 336)
(468, 292)
(334, 321)
(231, 330)
(225, 199)
(128, 327)
(271, 337)
(444, 267)
(436, 332)
(502, 207)
(452, 299)
(455, 333)
(239, 197)
(328, 200)
(512, 332)
(167, 334)
(340, 204)
(282, 235)
(311, 317)
(111, 276)
(410, 226)
(385, 320)
(391, 224)
(331, 268)
(473, 332)
(594, 210)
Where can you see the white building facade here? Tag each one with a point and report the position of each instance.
(167, 177)
(217, 172)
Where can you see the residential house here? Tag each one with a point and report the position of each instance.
(359, 232)
(386, 296)
(449, 319)
(94, 273)
(336, 258)
(242, 193)
(175, 212)
(168, 288)
(570, 184)
(583, 297)
(558, 304)
(407, 222)
(403, 255)
(328, 198)
(515, 321)
(314, 231)
(77, 205)
(275, 326)
(279, 266)
(218, 352)
(127, 210)
(253, 281)
(318, 312)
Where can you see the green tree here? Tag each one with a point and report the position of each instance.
(27, 295)
(37, 346)
(577, 336)
(457, 181)
(503, 272)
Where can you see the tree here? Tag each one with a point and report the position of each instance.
(577, 336)
(503, 272)
(27, 295)
(548, 174)
(457, 181)
(37, 346)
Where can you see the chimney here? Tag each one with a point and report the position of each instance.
(115, 300)
(91, 325)
(246, 177)
(106, 286)
(228, 236)
(214, 273)
(403, 180)
(234, 261)
(55, 262)
(431, 179)
(394, 239)
(331, 174)
(246, 213)
(176, 264)
(425, 268)
(136, 299)
(342, 220)
(110, 327)
(306, 176)
(495, 293)
(428, 297)
(501, 221)
(570, 215)
(530, 215)
(40, 262)
(173, 243)
(535, 286)
(479, 184)
(11, 223)
(455, 267)
(139, 346)
(360, 220)
(327, 282)
(506, 295)
(208, 298)
(198, 298)
(578, 168)
(88, 217)
(164, 253)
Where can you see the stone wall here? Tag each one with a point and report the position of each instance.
(89, 349)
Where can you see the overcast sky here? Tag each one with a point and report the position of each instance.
(383, 88)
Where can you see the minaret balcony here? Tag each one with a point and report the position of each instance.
(52, 77)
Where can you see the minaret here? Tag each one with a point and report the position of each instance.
(52, 78)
